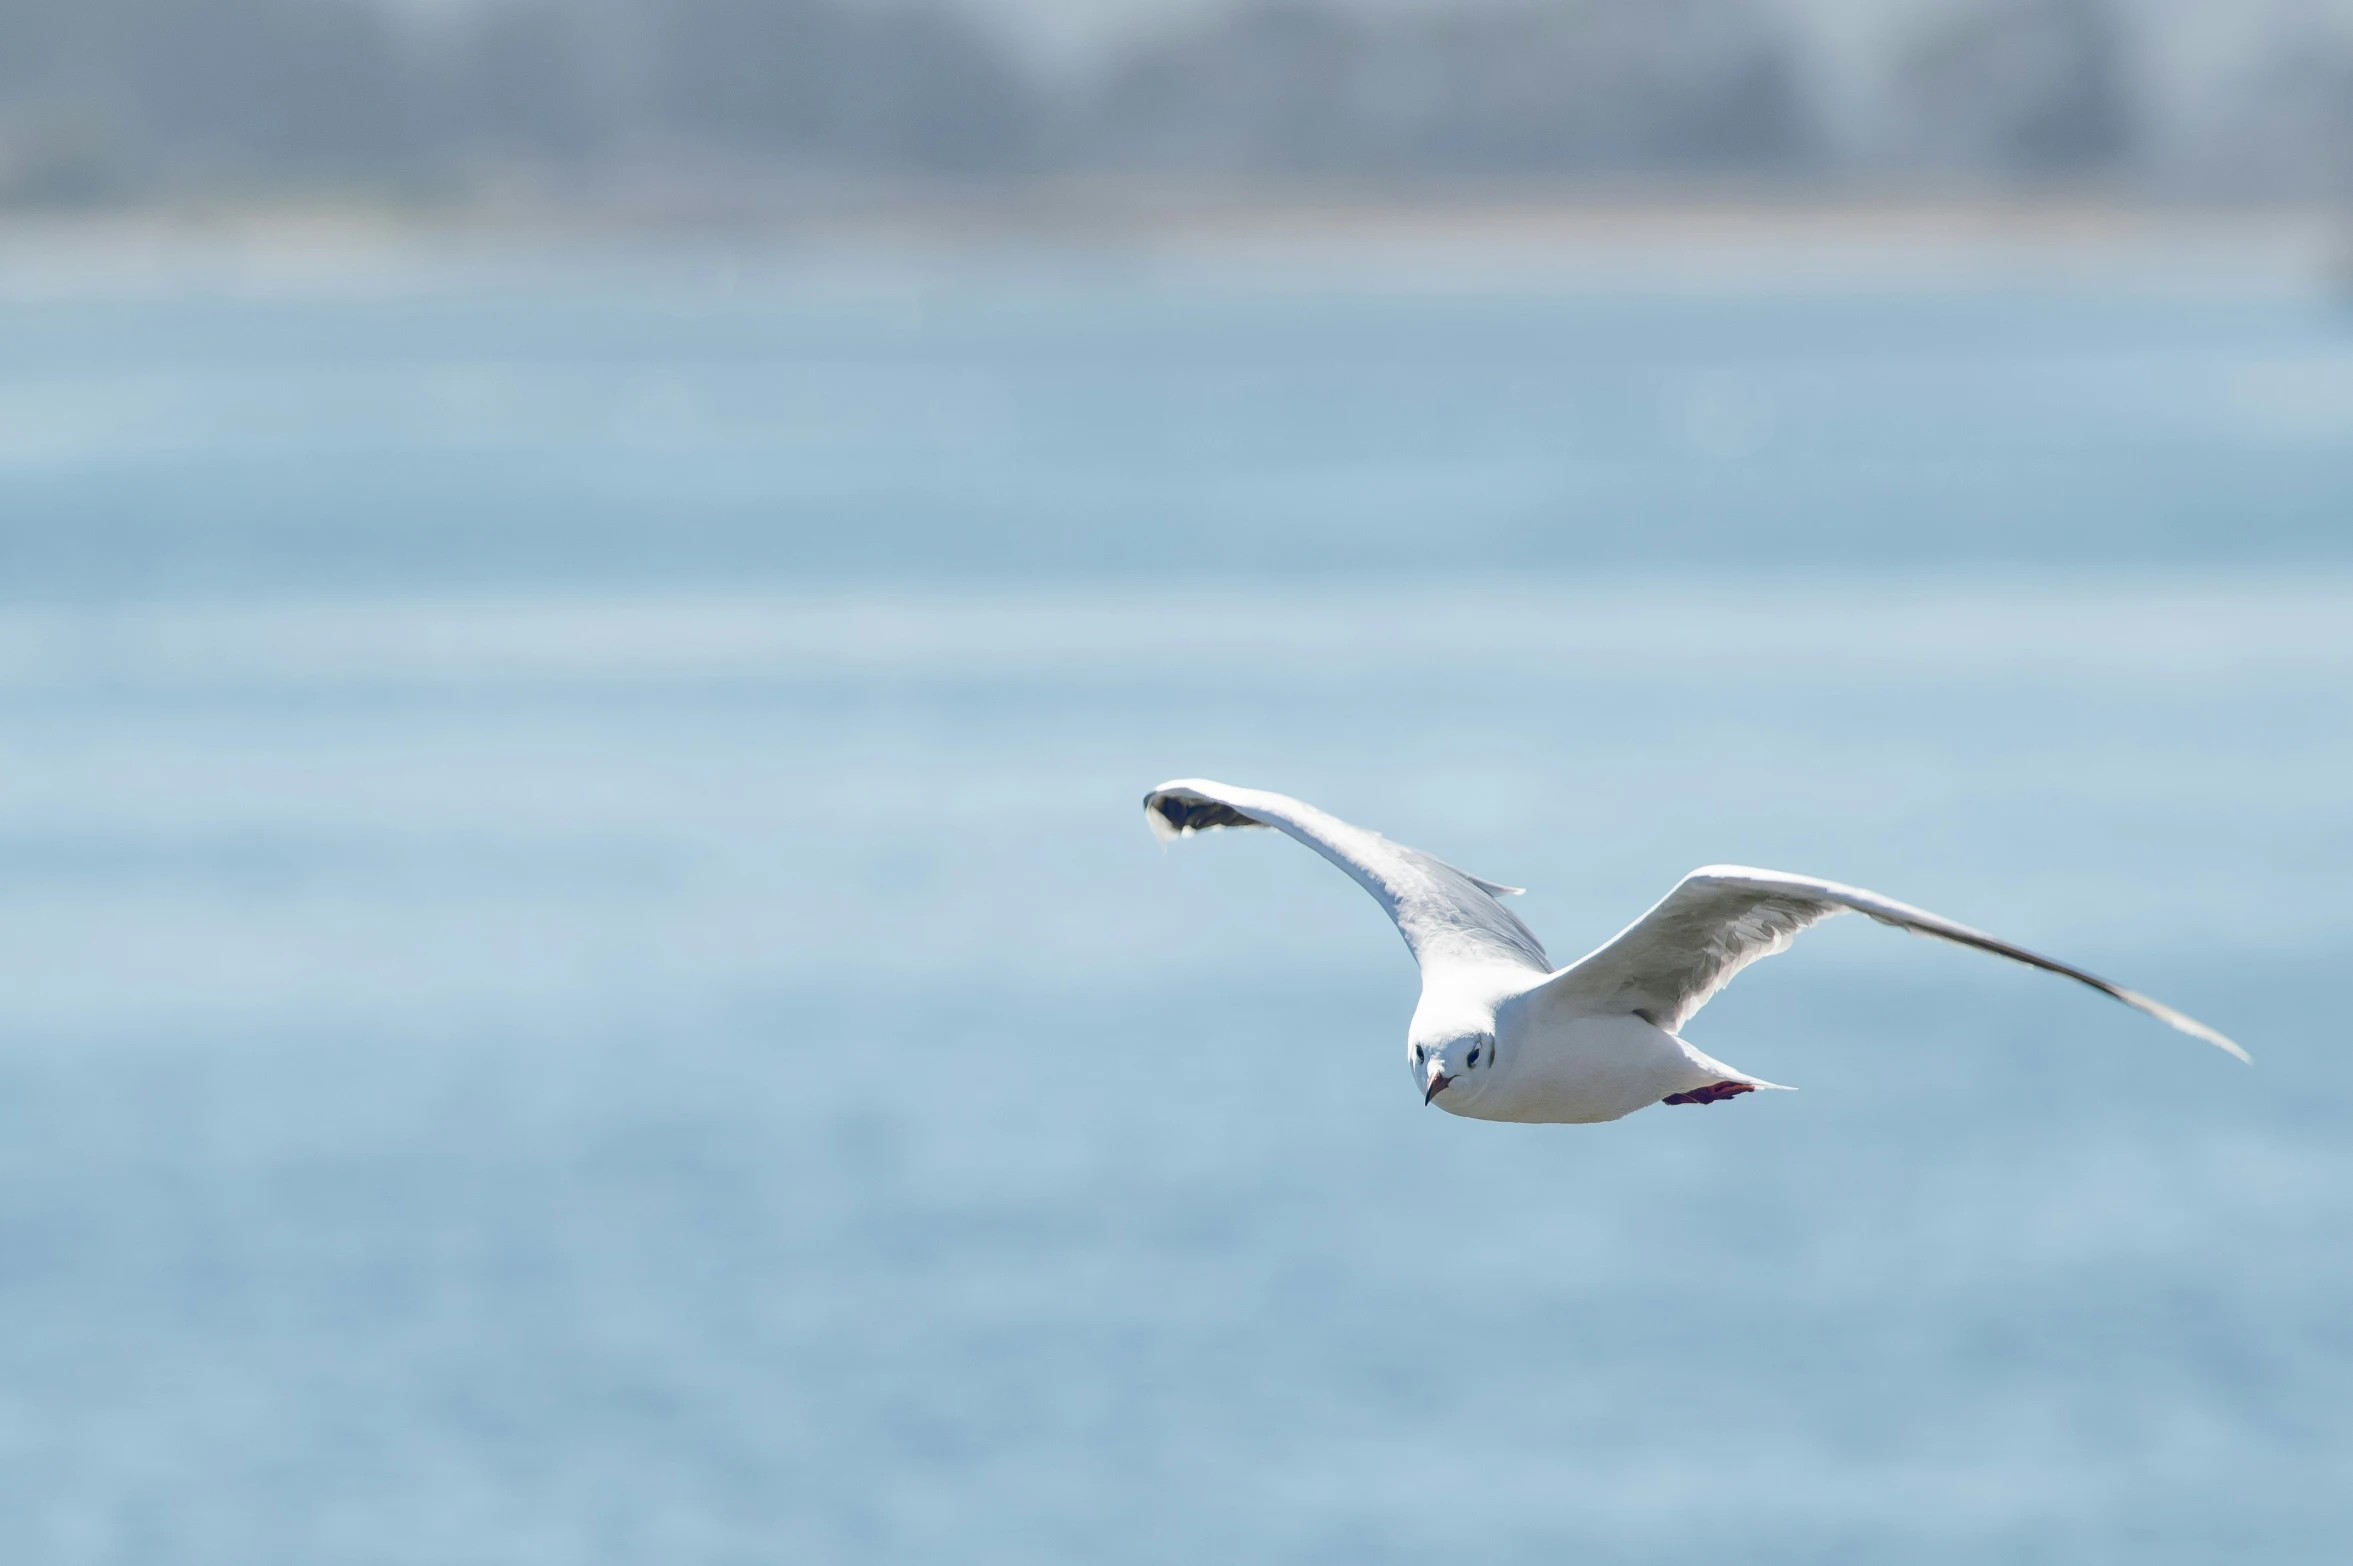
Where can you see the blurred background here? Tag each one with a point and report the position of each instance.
(684, 105)
(589, 590)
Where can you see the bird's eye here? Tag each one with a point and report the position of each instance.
(1421, 1053)
(1473, 1058)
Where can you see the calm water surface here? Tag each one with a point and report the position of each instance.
(585, 982)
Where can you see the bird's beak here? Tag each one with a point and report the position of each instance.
(1438, 1081)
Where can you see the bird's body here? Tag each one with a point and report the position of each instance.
(1579, 1070)
(1499, 1034)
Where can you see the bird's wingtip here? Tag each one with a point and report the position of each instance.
(1185, 806)
(2184, 1023)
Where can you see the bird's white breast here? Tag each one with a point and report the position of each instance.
(1576, 1070)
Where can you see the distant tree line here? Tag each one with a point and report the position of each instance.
(108, 98)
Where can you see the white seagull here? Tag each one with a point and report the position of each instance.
(1500, 1035)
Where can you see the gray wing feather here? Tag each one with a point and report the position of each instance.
(1668, 963)
(1445, 915)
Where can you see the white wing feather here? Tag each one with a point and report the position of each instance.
(1718, 920)
(1448, 917)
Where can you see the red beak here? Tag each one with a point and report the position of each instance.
(1438, 1081)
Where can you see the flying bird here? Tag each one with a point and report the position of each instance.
(1500, 1034)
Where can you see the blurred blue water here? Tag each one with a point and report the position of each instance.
(585, 982)
(632, 418)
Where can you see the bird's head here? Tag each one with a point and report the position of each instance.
(1451, 1064)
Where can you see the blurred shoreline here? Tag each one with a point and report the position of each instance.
(1702, 237)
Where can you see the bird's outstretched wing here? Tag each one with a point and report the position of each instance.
(1446, 916)
(1718, 920)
